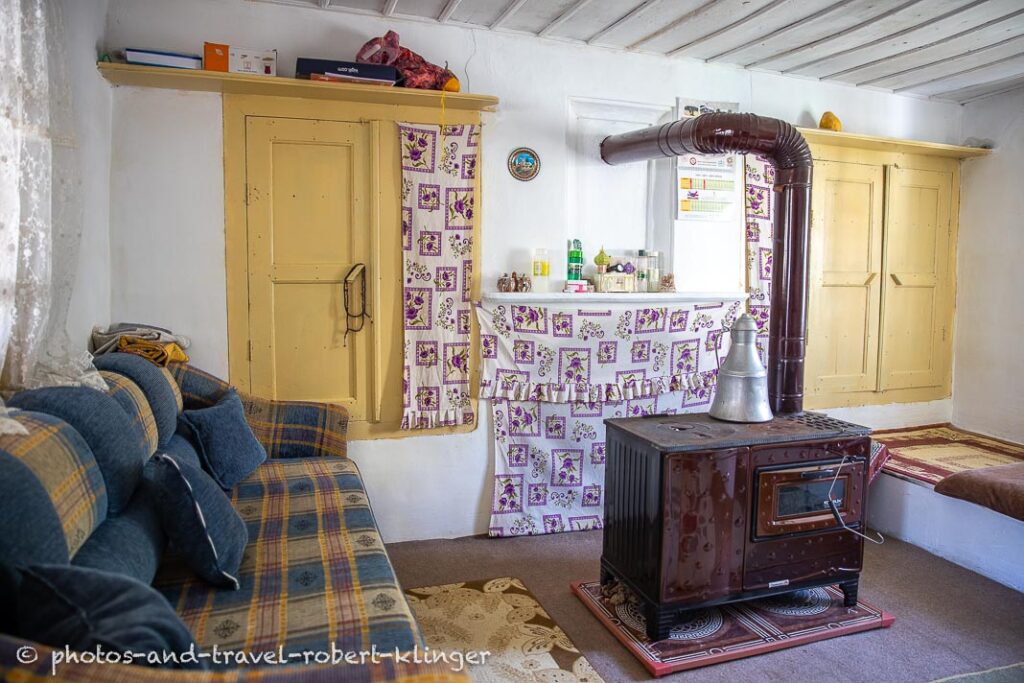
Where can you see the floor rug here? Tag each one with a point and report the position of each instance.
(502, 617)
(930, 454)
(719, 634)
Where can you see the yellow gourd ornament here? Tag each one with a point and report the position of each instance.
(830, 121)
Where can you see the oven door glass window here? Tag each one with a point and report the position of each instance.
(801, 498)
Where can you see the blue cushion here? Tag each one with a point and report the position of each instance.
(115, 440)
(224, 440)
(131, 543)
(162, 397)
(52, 494)
(86, 609)
(199, 520)
(181, 449)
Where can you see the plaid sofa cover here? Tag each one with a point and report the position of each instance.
(315, 572)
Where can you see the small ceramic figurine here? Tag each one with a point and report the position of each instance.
(525, 284)
(505, 283)
(668, 283)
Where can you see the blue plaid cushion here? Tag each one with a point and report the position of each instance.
(287, 429)
(315, 570)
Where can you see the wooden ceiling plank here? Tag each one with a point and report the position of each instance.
(671, 26)
(623, 20)
(512, 8)
(785, 29)
(718, 32)
(888, 37)
(820, 41)
(920, 48)
(957, 74)
(389, 8)
(980, 90)
(448, 11)
(949, 63)
(565, 16)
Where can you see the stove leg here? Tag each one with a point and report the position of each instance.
(659, 622)
(850, 592)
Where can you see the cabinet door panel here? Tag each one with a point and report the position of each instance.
(846, 262)
(916, 290)
(308, 223)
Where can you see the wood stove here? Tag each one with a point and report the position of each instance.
(700, 512)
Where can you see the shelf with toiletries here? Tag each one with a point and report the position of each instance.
(621, 298)
(631, 272)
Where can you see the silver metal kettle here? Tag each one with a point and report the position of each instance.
(742, 393)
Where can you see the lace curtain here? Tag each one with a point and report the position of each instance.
(40, 203)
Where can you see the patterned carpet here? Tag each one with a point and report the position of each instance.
(500, 616)
(742, 629)
(929, 454)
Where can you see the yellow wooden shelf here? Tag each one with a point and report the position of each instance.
(245, 84)
(817, 136)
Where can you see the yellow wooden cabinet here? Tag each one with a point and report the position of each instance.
(881, 301)
(313, 188)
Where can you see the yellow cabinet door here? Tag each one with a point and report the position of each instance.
(308, 223)
(917, 287)
(846, 264)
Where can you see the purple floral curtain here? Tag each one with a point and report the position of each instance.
(438, 225)
(554, 374)
(760, 177)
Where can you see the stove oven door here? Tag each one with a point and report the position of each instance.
(794, 499)
(793, 538)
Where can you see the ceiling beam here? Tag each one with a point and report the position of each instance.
(971, 93)
(780, 31)
(814, 43)
(621, 21)
(886, 38)
(564, 17)
(324, 4)
(719, 31)
(389, 8)
(964, 72)
(448, 11)
(942, 61)
(915, 50)
(511, 9)
(689, 16)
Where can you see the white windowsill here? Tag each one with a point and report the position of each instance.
(637, 297)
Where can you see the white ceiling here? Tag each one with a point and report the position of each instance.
(957, 50)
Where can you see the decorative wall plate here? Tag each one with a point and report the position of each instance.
(523, 163)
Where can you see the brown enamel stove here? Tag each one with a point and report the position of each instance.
(700, 512)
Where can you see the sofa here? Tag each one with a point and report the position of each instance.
(314, 574)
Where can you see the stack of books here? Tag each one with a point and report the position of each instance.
(174, 60)
(345, 72)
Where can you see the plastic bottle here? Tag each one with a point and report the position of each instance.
(653, 272)
(541, 270)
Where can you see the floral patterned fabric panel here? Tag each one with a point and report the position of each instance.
(438, 204)
(567, 355)
(542, 366)
(760, 213)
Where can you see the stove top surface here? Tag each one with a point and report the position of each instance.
(700, 431)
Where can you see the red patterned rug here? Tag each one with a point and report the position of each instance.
(743, 629)
(930, 454)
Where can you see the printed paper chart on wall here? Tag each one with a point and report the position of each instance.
(709, 187)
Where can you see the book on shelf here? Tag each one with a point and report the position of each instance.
(338, 78)
(346, 72)
(174, 60)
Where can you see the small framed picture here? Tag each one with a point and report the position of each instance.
(523, 163)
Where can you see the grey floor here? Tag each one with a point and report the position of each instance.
(948, 620)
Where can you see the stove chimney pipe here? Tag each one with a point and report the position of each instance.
(720, 133)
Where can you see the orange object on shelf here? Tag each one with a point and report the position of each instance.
(215, 57)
